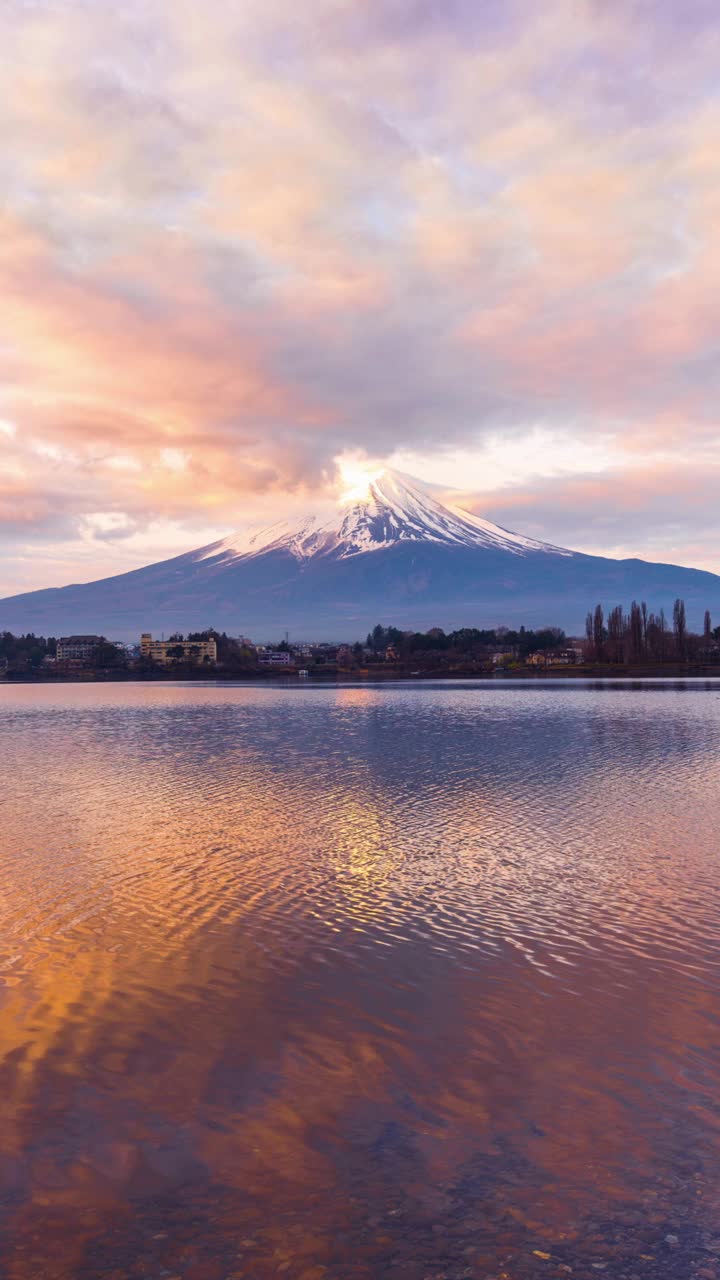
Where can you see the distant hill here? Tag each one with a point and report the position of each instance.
(396, 554)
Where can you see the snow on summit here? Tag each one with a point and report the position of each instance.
(389, 508)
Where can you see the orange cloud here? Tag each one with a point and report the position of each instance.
(380, 227)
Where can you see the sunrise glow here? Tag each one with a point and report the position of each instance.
(237, 245)
(356, 478)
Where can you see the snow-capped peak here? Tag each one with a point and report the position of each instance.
(394, 508)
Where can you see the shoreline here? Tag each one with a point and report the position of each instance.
(371, 675)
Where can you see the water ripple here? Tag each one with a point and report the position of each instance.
(269, 947)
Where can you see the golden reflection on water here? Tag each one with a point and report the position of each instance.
(362, 980)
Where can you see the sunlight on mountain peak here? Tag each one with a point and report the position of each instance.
(356, 477)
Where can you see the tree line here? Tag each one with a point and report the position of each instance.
(26, 651)
(636, 636)
(643, 636)
(466, 642)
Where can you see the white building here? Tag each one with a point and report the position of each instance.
(78, 648)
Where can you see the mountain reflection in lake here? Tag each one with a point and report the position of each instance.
(354, 982)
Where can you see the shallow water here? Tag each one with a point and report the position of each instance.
(415, 981)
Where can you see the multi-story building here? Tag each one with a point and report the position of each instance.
(275, 658)
(78, 649)
(168, 651)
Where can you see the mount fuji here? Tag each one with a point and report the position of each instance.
(392, 553)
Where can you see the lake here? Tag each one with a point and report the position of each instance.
(420, 980)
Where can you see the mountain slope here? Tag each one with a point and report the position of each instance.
(396, 555)
(396, 508)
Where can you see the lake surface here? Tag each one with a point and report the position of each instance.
(412, 981)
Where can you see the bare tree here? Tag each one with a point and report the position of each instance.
(598, 632)
(680, 628)
(707, 634)
(616, 631)
(637, 643)
(662, 636)
(652, 637)
(644, 636)
(589, 641)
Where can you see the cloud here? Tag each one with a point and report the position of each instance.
(670, 510)
(234, 245)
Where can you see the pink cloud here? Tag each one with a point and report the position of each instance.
(663, 512)
(381, 226)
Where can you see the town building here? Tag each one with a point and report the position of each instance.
(302, 650)
(166, 652)
(275, 658)
(78, 649)
(555, 658)
(501, 657)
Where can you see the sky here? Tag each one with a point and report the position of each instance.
(238, 241)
